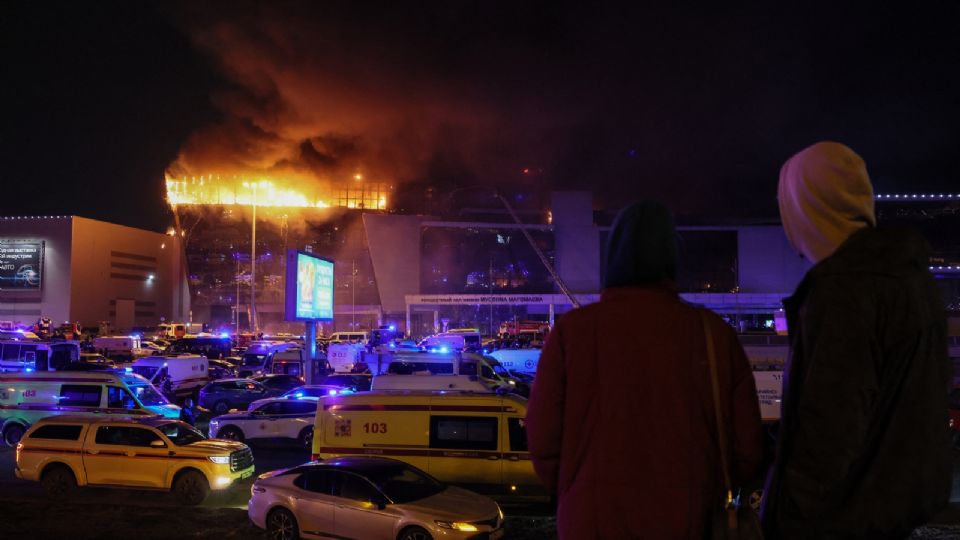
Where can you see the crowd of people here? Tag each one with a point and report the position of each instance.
(640, 438)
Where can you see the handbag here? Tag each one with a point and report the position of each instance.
(732, 520)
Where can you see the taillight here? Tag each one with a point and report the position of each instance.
(314, 457)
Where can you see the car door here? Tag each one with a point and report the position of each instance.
(517, 466)
(262, 422)
(314, 503)
(357, 513)
(121, 455)
(294, 415)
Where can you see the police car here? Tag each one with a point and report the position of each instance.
(273, 418)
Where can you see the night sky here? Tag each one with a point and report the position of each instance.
(697, 108)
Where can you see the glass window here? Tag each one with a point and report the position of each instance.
(317, 481)
(270, 408)
(148, 395)
(11, 352)
(518, 434)
(404, 483)
(351, 486)
(463, 432)
(119, 398)
(181, 433)
(80, 395)
(126, 436)
(298, 407)
(59, 432)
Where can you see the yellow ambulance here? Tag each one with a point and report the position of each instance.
(466, 438)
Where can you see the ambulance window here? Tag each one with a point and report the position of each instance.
(463, 432)
(486, 372)
(317, 481)
(80, 395)
(59, 432)
(11, 352)
(518, 434)
(118, 398)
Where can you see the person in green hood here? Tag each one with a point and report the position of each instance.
(863, 450)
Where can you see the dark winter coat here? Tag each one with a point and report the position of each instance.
(620, 422)
(863, 449)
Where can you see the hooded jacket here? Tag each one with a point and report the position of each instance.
(825, 196)
(620, 421)
(863, 449)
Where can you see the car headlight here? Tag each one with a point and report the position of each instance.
(500, 512)
(220, 460)
(456, 525)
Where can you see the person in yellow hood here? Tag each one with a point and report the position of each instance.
(863, 449)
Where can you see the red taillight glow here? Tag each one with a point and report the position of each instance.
(314, 457)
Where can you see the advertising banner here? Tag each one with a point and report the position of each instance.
(309, 287)
(20, 266)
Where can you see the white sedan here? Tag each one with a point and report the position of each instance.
(371, 498)
(272, 418)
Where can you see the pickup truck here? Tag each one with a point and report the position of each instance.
(64, 452)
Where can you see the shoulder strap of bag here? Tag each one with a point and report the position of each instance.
(721, 426)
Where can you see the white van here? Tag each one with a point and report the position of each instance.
(450, 363)
(461, 438)
(256, 360)
(25, 398)
(349, 337)
(180, 376)
(117, 346)
(454, 341)
(343, 357)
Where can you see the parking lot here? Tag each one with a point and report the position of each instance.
(112, 513)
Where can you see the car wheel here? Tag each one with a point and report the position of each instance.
(59, 483)
(306, 437)
(414, 533)
(281, 525)
(221, 407)
(231, 434)
(190, 488)
(13, 433)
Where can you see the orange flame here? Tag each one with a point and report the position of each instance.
(214, 190)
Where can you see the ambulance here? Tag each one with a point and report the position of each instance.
(465, 438)
(25, 398)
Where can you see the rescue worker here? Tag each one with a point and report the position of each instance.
(864, 448)
(620, 423)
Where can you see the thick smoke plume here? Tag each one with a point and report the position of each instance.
(314, 94)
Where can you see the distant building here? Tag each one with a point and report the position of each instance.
(70, 268)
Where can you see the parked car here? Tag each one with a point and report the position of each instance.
(225, 394)
(65, 452)
(369, 497)
(358, 382)
(273, 418)
(220, 369)
(278, 383)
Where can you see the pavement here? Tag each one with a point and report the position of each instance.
(117, 513)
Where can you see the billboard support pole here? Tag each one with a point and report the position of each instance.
(310, 346)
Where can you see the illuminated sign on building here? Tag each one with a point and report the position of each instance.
(20, 266)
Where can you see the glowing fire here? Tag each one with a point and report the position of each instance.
(214, 190)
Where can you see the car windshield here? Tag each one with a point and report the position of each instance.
(500, 370)
(180, 433)
(253, 359)
(403, 484)
(148, 396)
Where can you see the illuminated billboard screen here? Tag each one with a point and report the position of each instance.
(309, 287)
(20, 266)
